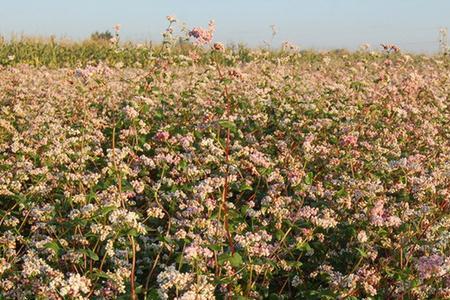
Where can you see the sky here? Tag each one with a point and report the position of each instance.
(319, 24)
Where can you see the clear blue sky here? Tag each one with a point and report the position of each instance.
(320, 24)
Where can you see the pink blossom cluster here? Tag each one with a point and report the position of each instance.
(203, 36)
(197, 252)
(162, 136)
(349, 140)
(257, 244)
(379, 216)
(432, 266)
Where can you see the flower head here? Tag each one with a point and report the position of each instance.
(203, 36)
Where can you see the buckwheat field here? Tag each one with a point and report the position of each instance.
(200, 171)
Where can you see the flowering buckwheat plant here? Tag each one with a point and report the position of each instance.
(247, 175)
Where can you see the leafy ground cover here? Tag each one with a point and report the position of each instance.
(242, 174)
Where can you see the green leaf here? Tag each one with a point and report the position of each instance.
(236, 260)
(295, 264)
(54, 246)
(279, 234)
(361, 252)
(223, 258)
(159, 116)
(227, 124)
(226, 80)
(105, 210)
(133, 232)
(245, 187)
(303, 246)
(341, 193)
(244, 209)
(214, 247)
(101, 275)
(152, 295)
(182, 165)
(91, 254)
(139, 289)
(309, 178)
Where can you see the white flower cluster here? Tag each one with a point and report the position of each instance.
(34, 265)
(197, 252)
(76, 287)
(131, 112)
(122, 218)
(102, 230)
(155, 212)
(119, 278)
(184, 286)
(256, 244)
(172, 278)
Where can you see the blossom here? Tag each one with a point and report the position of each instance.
(128, 219)
(349, 140)
(257, 244)
(170, 278)
(117, 27)
(219, 47)
(296, 281)
(162, 135)
(433, 265)
(138, 186)
(203, 36)
(171, 19)
(197, 252)
(362, 236)
(155, 212)
(130, 112)
(380, 217)
(75, 286)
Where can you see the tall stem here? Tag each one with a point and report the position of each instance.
(133, 269)
(227, 159)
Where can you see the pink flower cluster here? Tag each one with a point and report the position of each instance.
(257, 244)
(390, 48)
(195, 252)
(380, 217)
(203, 36)
(162, 136)
(349, 140)
(429, 266)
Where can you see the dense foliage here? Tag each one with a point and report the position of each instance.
(192, 174)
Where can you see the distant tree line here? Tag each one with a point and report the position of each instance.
(102, 36)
